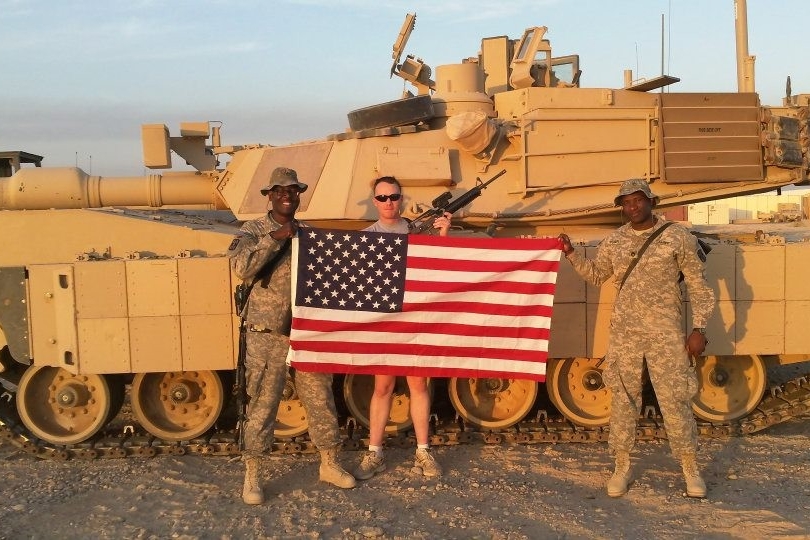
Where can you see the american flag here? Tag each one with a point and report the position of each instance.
(368, 303)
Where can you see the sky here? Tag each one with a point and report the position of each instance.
(80, 77)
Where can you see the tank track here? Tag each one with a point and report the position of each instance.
(782, 403)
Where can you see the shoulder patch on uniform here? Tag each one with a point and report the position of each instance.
(234, 243)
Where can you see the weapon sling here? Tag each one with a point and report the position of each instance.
(641, 251)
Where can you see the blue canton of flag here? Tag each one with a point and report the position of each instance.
(357, 271)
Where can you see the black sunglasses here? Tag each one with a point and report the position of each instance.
(394, 197)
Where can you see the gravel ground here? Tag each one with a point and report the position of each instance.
(759, 486)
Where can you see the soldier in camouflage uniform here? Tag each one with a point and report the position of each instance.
(647, 324)
(261, 255)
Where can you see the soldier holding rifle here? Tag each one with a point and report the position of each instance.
(388, 202)
(261, 257)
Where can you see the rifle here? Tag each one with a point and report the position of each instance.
(240, 297)
(442, 204)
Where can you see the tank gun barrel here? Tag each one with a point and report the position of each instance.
(71, 187)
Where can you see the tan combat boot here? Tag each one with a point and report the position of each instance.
(252, 491)
(332, 472)
(618, 483)
(695, 486)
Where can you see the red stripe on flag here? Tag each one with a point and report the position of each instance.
(383, 369)
(401, 327)
(478, 307)
(420, 350)
(466, 265)
(474, 286)
(501, 244)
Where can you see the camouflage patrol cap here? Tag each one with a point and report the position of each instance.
(282, 176)
(633, 185)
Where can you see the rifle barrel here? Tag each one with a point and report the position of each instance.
(488, 182)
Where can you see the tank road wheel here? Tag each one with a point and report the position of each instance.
(62, 408)
(399, 112)
(729, 387)
(177, 406)
(576, 388)
(492, 403)
(357, 391)
(291, 419)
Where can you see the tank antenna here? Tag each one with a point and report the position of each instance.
(669, 36)
(745, 62)
(662, 47)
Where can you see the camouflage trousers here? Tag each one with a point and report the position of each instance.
(673, 378)
(266, 375)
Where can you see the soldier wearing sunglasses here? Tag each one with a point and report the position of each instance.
(388, 201)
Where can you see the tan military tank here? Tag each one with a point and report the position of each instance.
(116, 287)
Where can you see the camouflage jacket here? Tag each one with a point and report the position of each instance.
(651, 295)
(259, 259)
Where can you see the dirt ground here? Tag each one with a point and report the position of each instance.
(759, 487)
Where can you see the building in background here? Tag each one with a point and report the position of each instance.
(788, 204)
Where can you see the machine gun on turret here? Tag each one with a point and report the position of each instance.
(443, 203)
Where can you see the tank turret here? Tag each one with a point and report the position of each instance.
(513, 106)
